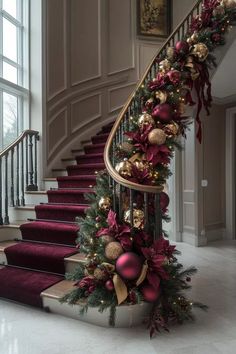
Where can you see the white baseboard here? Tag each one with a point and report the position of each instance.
(194, 240)
(215, 235)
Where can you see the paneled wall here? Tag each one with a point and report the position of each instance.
(90, 69)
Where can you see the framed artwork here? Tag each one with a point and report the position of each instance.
(154, 18)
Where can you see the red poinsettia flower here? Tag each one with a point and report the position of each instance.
(87, 283)
(163, 246)
(121, 233)
(140, 137)
(141, 240)
(155, 262)
(141, 176)
(158, 82)
(158, 154)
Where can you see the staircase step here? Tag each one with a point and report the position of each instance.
(22, 212)
(3, 246)
(50, 232)
(38, 256)
(59, 172)
(25, 285)
(68, 196)
(69, 161)
(59, 212)
(81, 181)
(92, 168)
(36, 197)
(50, 182)
(102, 138)
(90, 158)
(77, 151)
(94, 148)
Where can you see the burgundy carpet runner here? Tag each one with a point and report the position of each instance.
(37, 261)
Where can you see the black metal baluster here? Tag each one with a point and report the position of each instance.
(1, 201)
(22, 175)
(158, 217)
(36, 138)
(26, 163)
(131, 207)
(31, 186)
(146, 219)
(12, 179)
(6, 217)
(17, 176)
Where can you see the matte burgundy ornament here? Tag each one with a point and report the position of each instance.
(109, 285)
(164, 200)
(129, 266)
(163, 112)
(150, 294)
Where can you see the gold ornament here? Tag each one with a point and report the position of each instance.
(164, 66)
(104, 203)
(107, 239)
(201, 51)
(161, 95)
(193, 39)
(157, 137)
(113, 250)
(138, 218)
(99, 274)
(228, 4)
(141, 165)
(146, 119)
(170, 52)
(127, 147)
(124, 168)
(219, 10)
(171, 129)
(191, 66)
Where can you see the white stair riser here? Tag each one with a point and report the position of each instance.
(59, 173)
(50, 184)
(36, 198)
(21, 214)
(9, 233)
(126, 316)
(69, 163)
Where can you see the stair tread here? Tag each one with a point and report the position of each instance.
(74, 167)
(76, 258)
(76, 178)
(70, 191)
(5, 244)
(49, 179)
(25, 207)
(36, 192)
(58, 290)
(95, 145)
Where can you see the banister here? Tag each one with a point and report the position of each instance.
(18, 141)
(111, 170)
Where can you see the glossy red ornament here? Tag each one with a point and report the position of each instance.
(163, 112)
(149, 293)
(129, 266)
(182, 47)
(109, 285)
(174, 76)
(164, 201)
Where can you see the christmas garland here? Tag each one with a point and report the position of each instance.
(123, 265)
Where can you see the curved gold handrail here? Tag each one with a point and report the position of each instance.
(111, 170)
(17, 141)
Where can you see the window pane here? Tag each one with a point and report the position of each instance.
(10, 113)
(9, 40)
(10, 7)
(9, 72)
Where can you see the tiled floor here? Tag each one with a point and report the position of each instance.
(27, 331)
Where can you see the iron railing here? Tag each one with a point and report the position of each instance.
(18, 172)
(133, 107)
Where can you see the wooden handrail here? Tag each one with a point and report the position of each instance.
(110, 168)
(17, 141)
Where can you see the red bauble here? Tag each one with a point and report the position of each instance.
(129, 266)
(109, 285)
(149, 293)
(164, 201)
(163, 112)
(182, 47)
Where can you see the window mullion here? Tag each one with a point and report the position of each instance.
(1, 41)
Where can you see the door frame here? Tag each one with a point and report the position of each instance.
(230, 172)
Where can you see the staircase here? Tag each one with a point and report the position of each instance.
(35, 255)
(44, 248)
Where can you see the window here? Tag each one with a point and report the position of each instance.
(14, 80)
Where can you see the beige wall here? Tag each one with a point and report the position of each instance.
(90, 69)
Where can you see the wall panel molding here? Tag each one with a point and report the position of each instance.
(51, 66)
(86, 109)
(76, 42)
(57, 130)
(117, 96)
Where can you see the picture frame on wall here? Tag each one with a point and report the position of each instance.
(154, 18)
